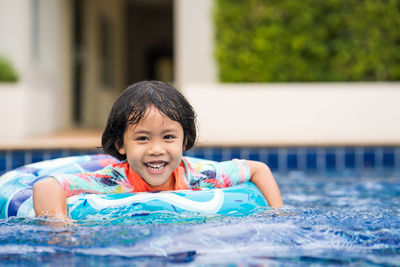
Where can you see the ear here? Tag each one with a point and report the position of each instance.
(120, 148)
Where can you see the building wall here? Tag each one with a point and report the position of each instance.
(276, 114)
(31, 39)
(280, 114)
(297, 114)
(194, 39)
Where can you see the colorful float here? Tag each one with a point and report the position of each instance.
(16, 195)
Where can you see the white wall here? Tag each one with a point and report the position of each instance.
(297, 114)
(31, 106)
(25, 112)
(15, 18)
(194, 40)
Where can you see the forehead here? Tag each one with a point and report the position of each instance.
(154, 119)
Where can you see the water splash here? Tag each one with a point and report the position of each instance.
(326, 221)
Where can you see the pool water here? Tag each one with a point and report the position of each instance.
(328, 220)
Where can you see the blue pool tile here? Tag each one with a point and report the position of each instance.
(330, 163)
(67, 153)
(189, 153)
(37, 155)
(388, 158)
(235, 153)
(291, 159)
(3, 163)
(340, 153)
(263, 154)
(254, 154)
(225, 154)
(369, 158)
(350, 158)
(198, 153)
(94, 151)
(216, 154)
(272, 151)
(18, 159)
(255, 157)
(80, 153)
(208, 153)
(278, 159)
(273, 161)
(330, 159)
(55, 154)
(73, 153)
(311, 159)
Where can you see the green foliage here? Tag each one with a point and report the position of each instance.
(307, 40)
(7, 72)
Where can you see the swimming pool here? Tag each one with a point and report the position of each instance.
(333, 218)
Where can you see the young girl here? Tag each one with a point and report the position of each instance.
(149, 127)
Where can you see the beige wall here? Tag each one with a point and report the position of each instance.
(194, 39)
(15, 18)
(297, 114)
(31, 107)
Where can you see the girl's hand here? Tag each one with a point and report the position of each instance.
(262, 177)
(49, 200)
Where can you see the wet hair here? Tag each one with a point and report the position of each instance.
(132, 105)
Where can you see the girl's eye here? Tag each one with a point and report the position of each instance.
(169, 136)
(142, 138)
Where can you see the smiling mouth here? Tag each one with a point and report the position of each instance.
(156, 166)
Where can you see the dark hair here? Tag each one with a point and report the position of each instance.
(131, 106)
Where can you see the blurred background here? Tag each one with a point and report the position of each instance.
(296, 84)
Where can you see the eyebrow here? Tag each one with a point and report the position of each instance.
(163, 132)
(169, 130)
(141, 132)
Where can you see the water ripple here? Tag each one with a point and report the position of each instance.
(326, 221)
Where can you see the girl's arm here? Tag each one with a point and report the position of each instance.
(49, 199)
(262, 177)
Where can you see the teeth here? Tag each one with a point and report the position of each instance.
(155, 166)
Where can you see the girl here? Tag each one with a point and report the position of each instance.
(149, 127)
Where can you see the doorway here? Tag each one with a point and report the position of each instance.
(117, 43)
(149, 32)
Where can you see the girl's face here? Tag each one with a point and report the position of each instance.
(154, 148)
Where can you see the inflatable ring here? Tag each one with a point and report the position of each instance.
(16, 195)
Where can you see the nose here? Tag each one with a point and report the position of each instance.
(156, 148)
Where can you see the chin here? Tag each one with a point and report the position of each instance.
(155, 183)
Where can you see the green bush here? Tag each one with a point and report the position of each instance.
(7, 72)
(307, 40)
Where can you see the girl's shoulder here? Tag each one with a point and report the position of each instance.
(199, 165)
(200, 173)
(206, 162)
(193, 160)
